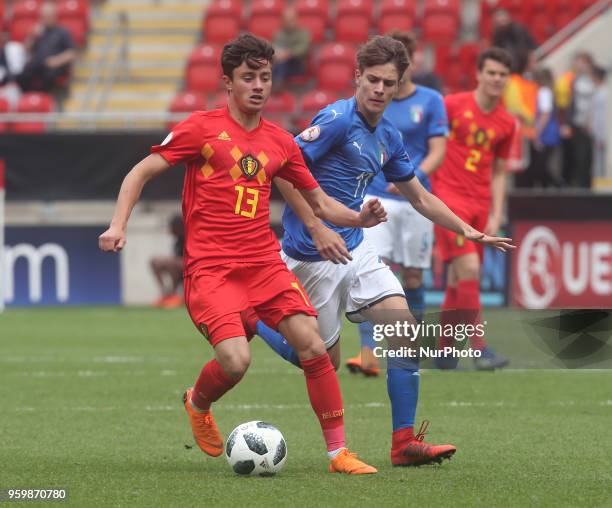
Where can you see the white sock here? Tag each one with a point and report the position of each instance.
(333, 453)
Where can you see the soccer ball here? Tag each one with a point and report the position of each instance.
(256, 448)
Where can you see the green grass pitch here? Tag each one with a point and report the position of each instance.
(90, 401)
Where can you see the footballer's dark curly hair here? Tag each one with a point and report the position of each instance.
(255, 51)
(381, 50)
(496, 54)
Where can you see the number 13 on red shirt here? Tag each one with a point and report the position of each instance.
(252, 202)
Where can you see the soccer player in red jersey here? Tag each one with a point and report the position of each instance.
(232, 259)
(472, 182)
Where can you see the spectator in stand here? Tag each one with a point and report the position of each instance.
(423, 76)
(51, 52)
(291, 46)
(575, 94)
(170, 268)
(513, 37)
(546, 136)
(12, 61)
(599, 130)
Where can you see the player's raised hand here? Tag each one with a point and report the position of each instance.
(501, 243)
(330, 244)
(112, 240)
(372, 213)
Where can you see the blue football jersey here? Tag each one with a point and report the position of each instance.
(418, 117)
(344, 153)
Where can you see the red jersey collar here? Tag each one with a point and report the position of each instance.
(227, 113)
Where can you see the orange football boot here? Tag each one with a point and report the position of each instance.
(358, 364)
(415, 452)
(205, 430)
(347, 462)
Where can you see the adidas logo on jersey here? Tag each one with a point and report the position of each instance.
(224, 136)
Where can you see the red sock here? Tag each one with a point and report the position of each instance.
(448, 315)
(211, 385)
(468, 301)
(325, 398)
(400, 436)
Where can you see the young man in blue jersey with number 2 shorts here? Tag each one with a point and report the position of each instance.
(347, 144)
(406, 239)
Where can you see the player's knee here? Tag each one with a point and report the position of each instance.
(237, 365)
(155, 264)
(469, 272)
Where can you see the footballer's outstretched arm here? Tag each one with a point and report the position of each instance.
(316, 204)
(113, 239)
(498, 195)
(312, 206)
(436, 211)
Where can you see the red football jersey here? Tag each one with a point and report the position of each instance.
(476, 138)
(226, 192)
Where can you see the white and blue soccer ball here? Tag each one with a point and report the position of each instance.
(256, 448)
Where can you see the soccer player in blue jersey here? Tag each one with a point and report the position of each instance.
(347, 144)
(406, 239)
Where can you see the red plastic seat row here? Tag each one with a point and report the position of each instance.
(335, 67)
(71, 14)
(32, 102)
(352, 22)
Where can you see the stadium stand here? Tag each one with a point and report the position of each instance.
(336, 66)
(164, 48)
(265, 17)
(352, 22)
(203, 70)
(186, 102)
(24, 16)
(4, 108)
(397, 14)
(312, 15)
(221, 21)
(33, 102)
(74, 15)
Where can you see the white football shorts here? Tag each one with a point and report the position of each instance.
(406, 238)
(351, 288)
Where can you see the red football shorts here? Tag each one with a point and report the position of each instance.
(216, 295)
(451, 245)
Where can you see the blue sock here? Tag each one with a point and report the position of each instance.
(366, 332)
(277, 342)
(416, 302)
(403, 389)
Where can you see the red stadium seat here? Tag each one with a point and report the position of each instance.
(26, 9)
(203, 69)
(440, 28)
(222, 21)
(33, 102)
(25, 14)
(396, 14)
(280, 109)
(283, 102)
(218, 100)
(312, 102)
(353, 21)
(21, 28)
(4, 108)
(265, 18)
(74, 16)
(336, 69)
(186, 102)
(312, 15)
(448, 7)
